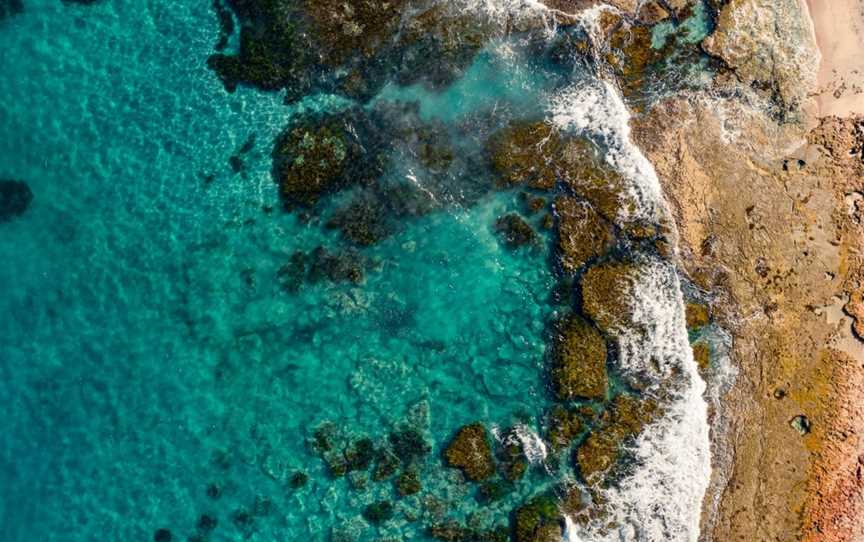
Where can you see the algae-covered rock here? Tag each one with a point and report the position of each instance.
(579, 361)
(562, 426)
(514, 231)
(697, 315)
(702, 356)
(526, 153)
(471, 452)
(600, 451)
(273, 52)
(320, 154)
(582, 233)
(537, 521)
(452, 531)
(589, 176)
(451, 35)
(493, 490)
(353, 28)
(605, 291)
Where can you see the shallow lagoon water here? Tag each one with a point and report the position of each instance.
(147, 349)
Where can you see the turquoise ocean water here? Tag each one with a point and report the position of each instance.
(153, 370)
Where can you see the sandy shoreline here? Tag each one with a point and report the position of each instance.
(838, 29)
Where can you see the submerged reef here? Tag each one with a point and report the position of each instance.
(15, 199)
(514, 231)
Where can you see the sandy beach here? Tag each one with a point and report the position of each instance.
(838, 27)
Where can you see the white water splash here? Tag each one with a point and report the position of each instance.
(535, 448)
(596, 108)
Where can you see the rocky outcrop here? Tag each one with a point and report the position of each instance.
(579, 361)
(470, 452)
(583, 234)
(600, 451)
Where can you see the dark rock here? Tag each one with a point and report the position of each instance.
(320, 154)
(582, 233)
(214, 491)
(409, 445)
(363, 221)
(226, 23)
(162, 535)
(298, 480)
(236, 163)
(15, 198)
(578, 361)
(378, 512)
(801, 424)
(10, 7)
(514, 231)
(470, 452)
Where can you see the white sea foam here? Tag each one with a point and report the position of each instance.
(535, 448)
(596, 108)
